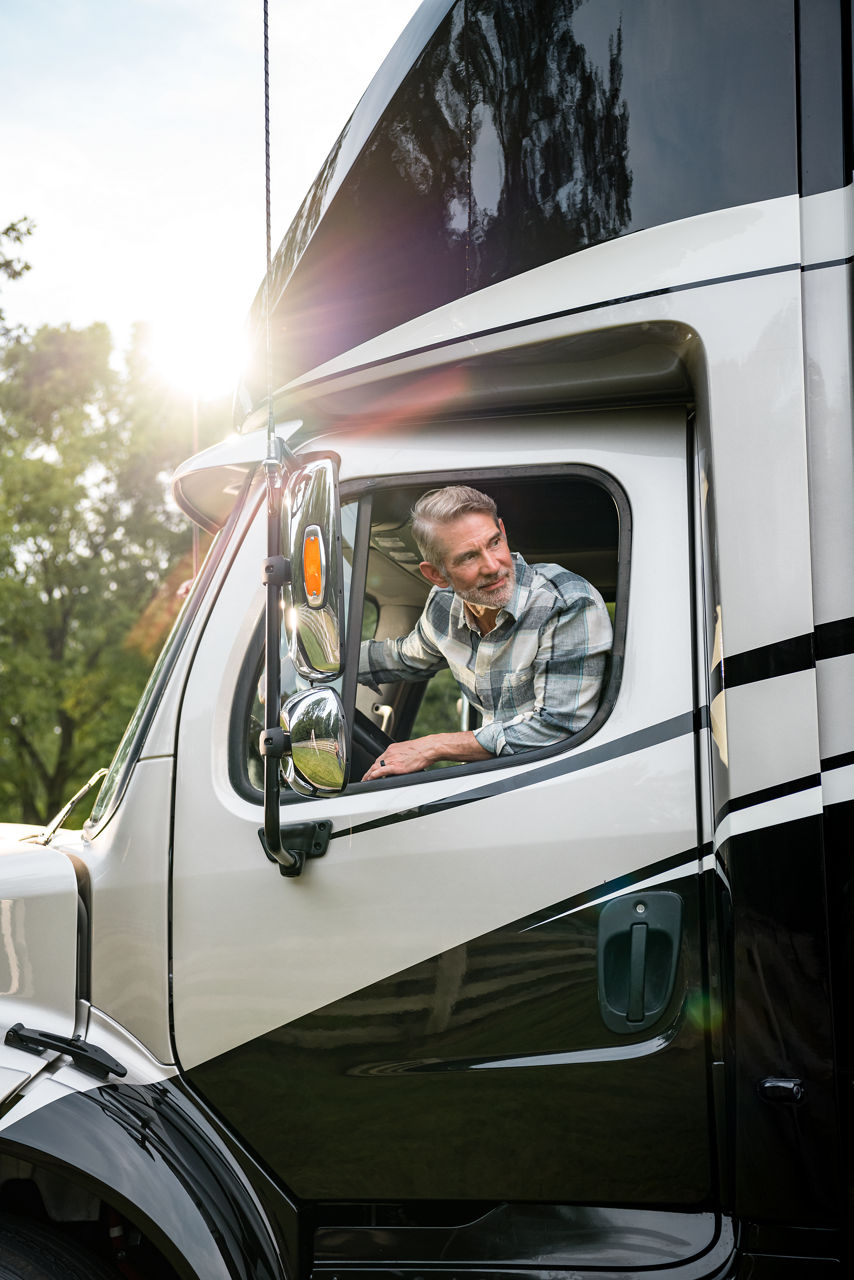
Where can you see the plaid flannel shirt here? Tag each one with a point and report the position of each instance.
(536, 677)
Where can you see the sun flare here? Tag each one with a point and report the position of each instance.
(200, 358)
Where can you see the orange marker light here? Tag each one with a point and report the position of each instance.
(312, 568)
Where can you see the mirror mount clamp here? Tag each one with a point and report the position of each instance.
(276, 571)
(299, 841)
(279, 456)
(274, 742)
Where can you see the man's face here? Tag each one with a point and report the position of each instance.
(476, 560)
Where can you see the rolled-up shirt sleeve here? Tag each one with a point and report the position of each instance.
(559, 693)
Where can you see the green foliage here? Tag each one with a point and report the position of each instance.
(12, 237)
(438, 710)
(91, 553)
(13, 267)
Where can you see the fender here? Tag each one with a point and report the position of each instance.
(150, 1152)
(39, 905)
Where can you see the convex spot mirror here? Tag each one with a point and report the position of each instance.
(311, 536)
(317, 762)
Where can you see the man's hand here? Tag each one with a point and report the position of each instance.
(419, 753)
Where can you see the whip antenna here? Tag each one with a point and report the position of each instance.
(274, 740)
(277, 450)
(268, 344)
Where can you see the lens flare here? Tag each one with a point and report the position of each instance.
(198, 357)
(704, 1011)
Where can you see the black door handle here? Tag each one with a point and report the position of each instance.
(638, 955)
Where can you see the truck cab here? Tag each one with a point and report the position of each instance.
(577, 1010)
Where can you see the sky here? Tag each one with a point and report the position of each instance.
(133, 136)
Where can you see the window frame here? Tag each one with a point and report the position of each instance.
(361, 490)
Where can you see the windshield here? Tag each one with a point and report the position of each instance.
(140, 720)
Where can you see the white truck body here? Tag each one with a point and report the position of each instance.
(421, 1055)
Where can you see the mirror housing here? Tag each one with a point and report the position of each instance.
(317, 761)
(311, 533)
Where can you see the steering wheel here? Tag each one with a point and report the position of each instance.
(368, 736)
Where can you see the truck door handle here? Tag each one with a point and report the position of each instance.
(638, 955)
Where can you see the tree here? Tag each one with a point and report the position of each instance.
(14, 234)
(88, 542)
(12, 266)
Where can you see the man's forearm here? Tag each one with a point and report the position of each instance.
(420, 753)
(462, 746)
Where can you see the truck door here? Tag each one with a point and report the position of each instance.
(490, 988)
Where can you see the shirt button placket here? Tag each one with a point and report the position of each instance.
(482, 667)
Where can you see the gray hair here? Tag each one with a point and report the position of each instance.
(442, 506)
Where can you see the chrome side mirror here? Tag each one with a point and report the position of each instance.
(316, 762)
(311, 529)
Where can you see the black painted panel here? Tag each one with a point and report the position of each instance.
(839, 854)
(782, 657)
(433, 1084)
(823, 75)
(833, 639)
(526, 1235)
(787, 1158)
(765, 663)
(525, 131)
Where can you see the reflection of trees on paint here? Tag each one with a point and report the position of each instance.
(549, 138)
(305, 220)
(505, 147)
(526, 136)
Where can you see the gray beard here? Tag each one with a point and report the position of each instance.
(489, 599)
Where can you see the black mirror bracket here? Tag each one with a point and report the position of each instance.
(275, 571)
(298, 842)
(274, 742)
(274, 568)
(278, 456)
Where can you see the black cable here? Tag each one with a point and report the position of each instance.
(267, 283)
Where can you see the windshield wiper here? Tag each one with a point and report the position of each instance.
(55, 823)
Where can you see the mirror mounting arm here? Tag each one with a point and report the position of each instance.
(274, 575)
(279, 456)
(304, 840)
(276, 571)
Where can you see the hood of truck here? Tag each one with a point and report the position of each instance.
(38, 945)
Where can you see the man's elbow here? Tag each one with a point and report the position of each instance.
(545, 729)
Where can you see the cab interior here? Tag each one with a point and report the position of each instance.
(564, 519)
(571, 516)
